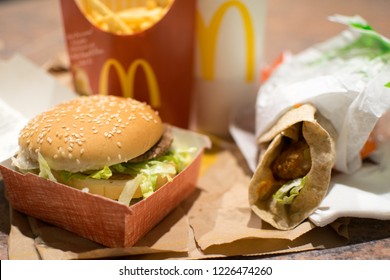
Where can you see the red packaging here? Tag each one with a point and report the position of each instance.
(154, 65)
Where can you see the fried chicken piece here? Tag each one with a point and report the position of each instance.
(293, 162)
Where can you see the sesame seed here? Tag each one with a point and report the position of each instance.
(119, 144)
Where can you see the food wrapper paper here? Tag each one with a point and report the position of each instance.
(215, 221)
(347, 78)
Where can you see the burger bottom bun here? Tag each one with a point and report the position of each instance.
(110, 188)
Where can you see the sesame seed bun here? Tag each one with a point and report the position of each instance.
(88, 133)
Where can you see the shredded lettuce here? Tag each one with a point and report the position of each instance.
(165, 166)
(129, 190)
(44, 169)
(104, 173)
(147, 172)
(387, 85)
(287, 193)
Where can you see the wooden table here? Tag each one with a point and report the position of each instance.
(34, 29)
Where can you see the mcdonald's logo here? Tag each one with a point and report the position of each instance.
(126, 79)
(207, 37)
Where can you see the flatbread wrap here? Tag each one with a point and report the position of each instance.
(294, 169)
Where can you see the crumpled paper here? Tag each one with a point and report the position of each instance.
(347, 78)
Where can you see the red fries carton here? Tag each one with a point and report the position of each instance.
(142, 51)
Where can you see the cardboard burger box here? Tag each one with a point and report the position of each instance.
(98, 218)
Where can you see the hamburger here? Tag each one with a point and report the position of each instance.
(106, 145)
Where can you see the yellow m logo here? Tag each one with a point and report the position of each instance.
(207, 37)
(126, 79)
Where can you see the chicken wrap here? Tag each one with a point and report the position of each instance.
(294, 169)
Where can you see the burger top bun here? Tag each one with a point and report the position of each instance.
(91, 132)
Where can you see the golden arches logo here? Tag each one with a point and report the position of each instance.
(126, 79)
(207, 37)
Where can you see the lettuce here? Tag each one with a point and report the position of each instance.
(44, 169)
(287, 193)
(129, 190)
(165, 166)
(151, 173)
(147, 172)
(102, 174)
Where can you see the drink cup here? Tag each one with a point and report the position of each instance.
(228, 55)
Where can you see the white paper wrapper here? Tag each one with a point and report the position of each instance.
(347, 79)
(346, 84)
(25, 91)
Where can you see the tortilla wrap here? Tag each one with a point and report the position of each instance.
(302, 124)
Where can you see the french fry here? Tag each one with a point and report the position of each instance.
(114, 23)
(124, 17)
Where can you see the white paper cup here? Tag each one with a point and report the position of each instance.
(228, 55)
